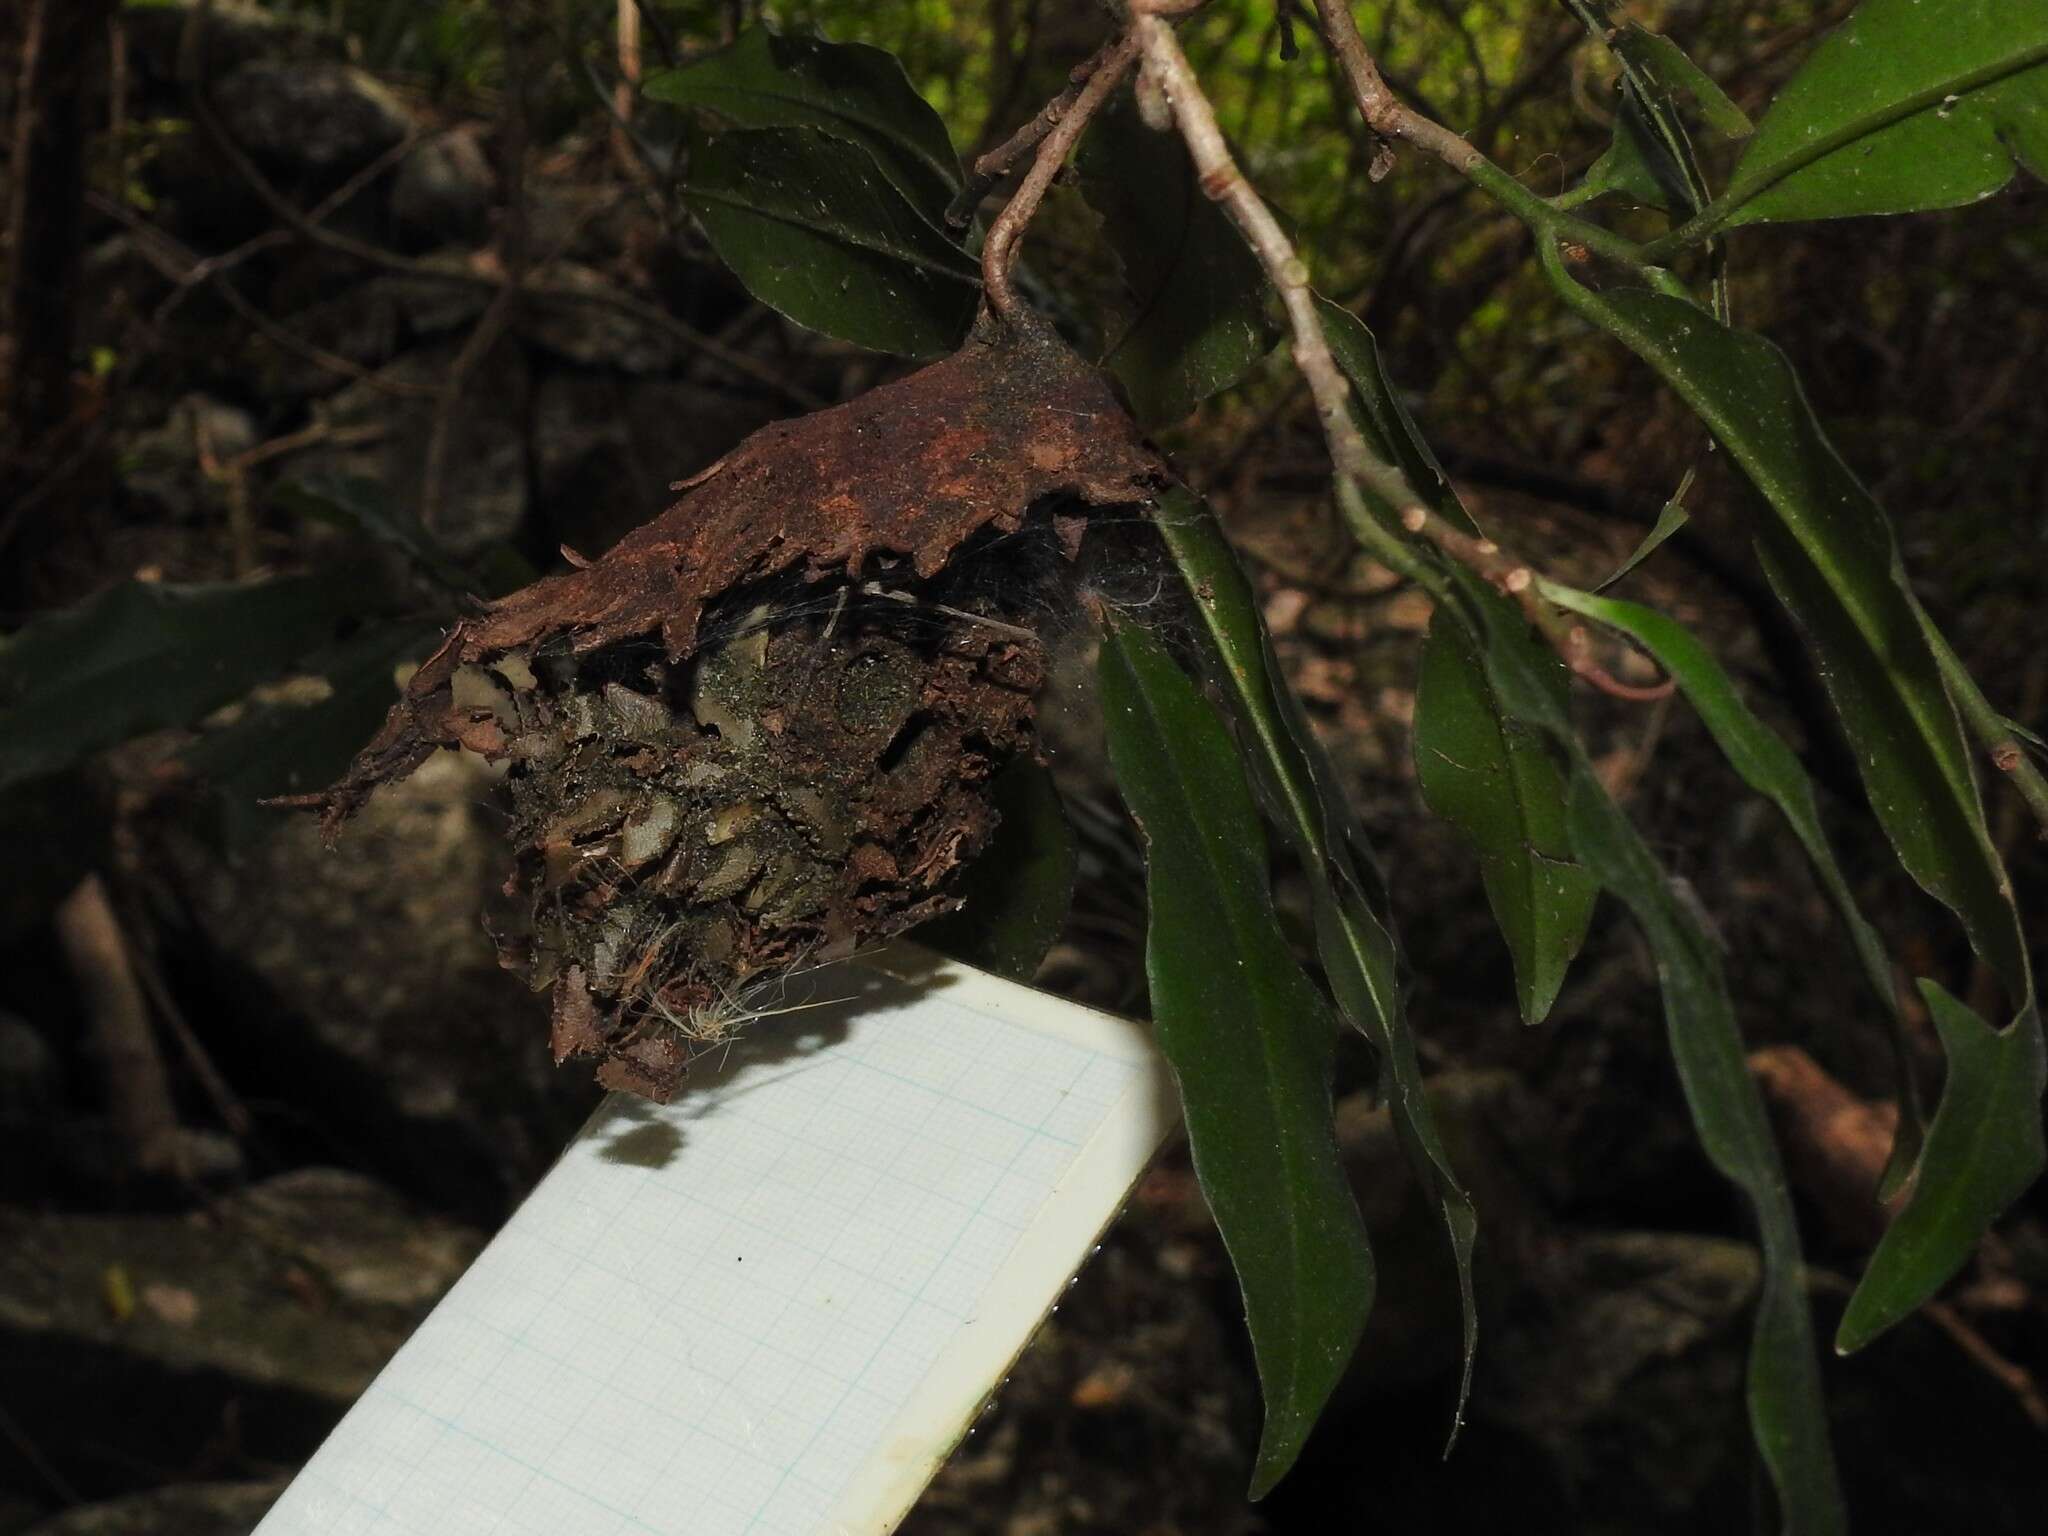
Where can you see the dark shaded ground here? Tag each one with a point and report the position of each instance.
(170, 1350)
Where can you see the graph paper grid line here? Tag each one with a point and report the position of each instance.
(772, 1307)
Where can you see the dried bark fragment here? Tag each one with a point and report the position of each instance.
(758, 732)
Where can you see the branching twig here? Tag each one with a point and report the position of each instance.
(187, 272)
(1395, 122)
(306, 229)
(1105, 72)
(1358, 468)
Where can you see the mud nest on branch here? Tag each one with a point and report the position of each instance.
(759, 732)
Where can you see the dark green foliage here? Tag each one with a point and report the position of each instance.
(1198, 318)
(1984, 1151)
(1014, 898)
(1495, 780)
(1904, 106)
(1248, 1036)
(145, 655)
(847, 90)
(814, 228)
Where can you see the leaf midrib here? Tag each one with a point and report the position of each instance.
(1746, 190)
(917, 153)
(1237, 920)
(836, 233)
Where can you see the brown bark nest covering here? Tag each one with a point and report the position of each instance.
(759, 731)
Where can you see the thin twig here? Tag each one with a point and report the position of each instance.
(1107, 71)
(300, 224)
(991, 167)
(187, 272)
(492, 324)
(1358, 468)
(1395, 122)
(30, 1452)
(234, 1114)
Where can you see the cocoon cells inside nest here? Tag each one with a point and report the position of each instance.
(759, 732)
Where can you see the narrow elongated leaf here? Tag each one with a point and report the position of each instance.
(1389, 429)
(1665, 62)
(1786, 1411)
(1496, 781)
(849, 90)
(1652, 155)
(145, 655)
(360, 502)
(288, 748)
(1670, 519)
(1015, 896)
(1636, 165)
(814, 229)
(1906, 105)
(1830, 554)
(1248, 1036)
(1354, 926)
(1983, 1152)
(1199, 319)
(1772, 769)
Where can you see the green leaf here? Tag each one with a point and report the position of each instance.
(1672, 518)
(1389, 430)
(1904, 106)
(2031, 738)
(1636, 165)
(1772, 769)
(1665, 62)
(1787, 1414)
(1830, 555)
(1249, 1038)
(360, 502)
(1652, 156)
(282, 748)
(1016, 894)
(1298, 786)
(1983, 1152)
(145, 655)
(1199, 318)
(1496, 781)
(848, 90)
(814, 229)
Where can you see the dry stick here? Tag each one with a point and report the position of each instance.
(1106, 72)
(1358, 468)
(187, 272)
(629, 81)
(493, 322)
(1394, 121)
(233, 1113)
(16, 1436)
(1993, 732)
(233, 475)
(138, 1088)
(993, 166)
(390, 261)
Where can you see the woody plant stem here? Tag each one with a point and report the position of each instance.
(1360, 473)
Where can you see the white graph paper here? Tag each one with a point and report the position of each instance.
(772, 1307)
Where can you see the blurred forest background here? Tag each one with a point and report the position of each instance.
(399, 296)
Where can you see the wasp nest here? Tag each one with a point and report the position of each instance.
(759, 732)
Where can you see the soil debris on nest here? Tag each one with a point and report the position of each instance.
(758, 733)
